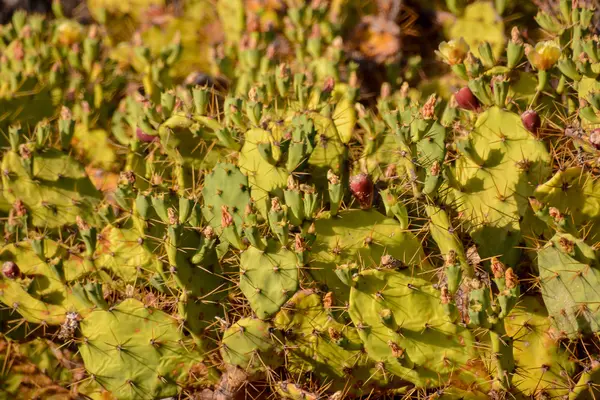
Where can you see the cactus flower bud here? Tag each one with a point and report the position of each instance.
(332, 177)
(172, 214)
(512, 281)
(209, 232)
(535, 204)
(328, 85)
(328, 300)
(428, 109)
(226, 218)
(81, 224)
(497, 268)
(19, 208)
(275, 205)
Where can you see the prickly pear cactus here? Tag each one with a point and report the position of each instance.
(137, 349)
(500, 165)
(569, 276)
(287, 199)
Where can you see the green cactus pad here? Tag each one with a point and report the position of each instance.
(569, 278)
(362, 237)
(263, 177)
(136, 351)
(44, 293)
(58, 191)
(268, 278)
(445, 237)
(226, 186)
(251, 344)
(479, 23)
(574, 191)
(331, 350)
(329, 151)
(542, 366)
(500, 165)
(124, 252)
(402, 323)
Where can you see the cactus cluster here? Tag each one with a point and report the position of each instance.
(269, 228)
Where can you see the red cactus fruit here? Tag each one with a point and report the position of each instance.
(466, 99)
(11, 270)
(144, 137)
(531, 121)
(362, 188)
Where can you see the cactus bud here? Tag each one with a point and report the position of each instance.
(535, 204)
(397, 351)
(445, 296)
(497, 268)
(428, 109)
(332, 177)
(329, 85)
(226, 218)
(511, 279)
(328, 300)
(487, 55)
(515, 49)
(19, 208)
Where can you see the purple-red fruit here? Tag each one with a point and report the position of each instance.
(531, 121)
(362, 188)
(594, 138)
(11, 270)
(144, 137)
(466, 99)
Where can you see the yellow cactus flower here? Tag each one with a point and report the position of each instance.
(544, 55)
(69, 32)
(454, 51)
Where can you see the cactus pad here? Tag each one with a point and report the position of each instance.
(135, 351)
(268, 278)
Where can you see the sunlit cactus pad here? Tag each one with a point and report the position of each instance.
(306, 200)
